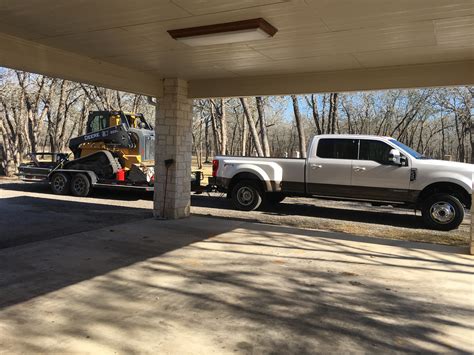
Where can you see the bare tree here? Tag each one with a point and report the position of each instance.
(251, 125)
(223, 124)
(333, 102)
(312, 102)
(263, 125)
(299, 126)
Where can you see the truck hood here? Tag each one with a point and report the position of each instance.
(446, 165)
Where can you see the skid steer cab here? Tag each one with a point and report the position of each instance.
(116, 151)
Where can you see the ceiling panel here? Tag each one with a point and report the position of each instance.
(305, 65)
(295, 46)
(455, 32)
(194, 72)
(313, 35)
(202, 7)
(419, 55)
(102, 44)
(55, 18)
(286, 17)
(188, 57)
(351, 14)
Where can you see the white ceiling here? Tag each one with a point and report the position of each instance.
(313, 35)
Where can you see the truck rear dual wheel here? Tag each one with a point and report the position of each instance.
(442, 212)
(246, 196)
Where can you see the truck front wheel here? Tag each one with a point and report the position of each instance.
(60, 184)
(442, 212)
(246, 196)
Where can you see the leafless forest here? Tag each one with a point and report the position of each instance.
(38, 113)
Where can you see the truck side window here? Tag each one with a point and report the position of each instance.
(337, 148)
(375, 151)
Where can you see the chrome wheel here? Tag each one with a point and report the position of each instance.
(443, 212)
(245, 196)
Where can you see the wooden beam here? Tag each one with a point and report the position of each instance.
(410, 76)
(25, 55)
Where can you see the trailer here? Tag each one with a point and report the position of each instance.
(116, 151)
(51, 168)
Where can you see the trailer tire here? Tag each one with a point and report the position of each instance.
(246, 196)
(80, 185)
(60, 184)
(442, 212)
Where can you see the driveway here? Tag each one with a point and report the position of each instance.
(42, 215)
(217, 286)
(29, 213)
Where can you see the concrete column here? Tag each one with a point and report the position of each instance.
(471, 246)
(471, 249)
(173, 138)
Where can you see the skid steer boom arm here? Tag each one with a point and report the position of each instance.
(112, 135)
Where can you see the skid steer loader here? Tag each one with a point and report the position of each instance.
(117, 150)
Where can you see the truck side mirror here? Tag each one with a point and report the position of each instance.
(403, 161)
(395, 158)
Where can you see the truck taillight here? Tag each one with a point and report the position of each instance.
(215, 167)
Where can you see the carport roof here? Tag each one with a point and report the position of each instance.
(320, 45)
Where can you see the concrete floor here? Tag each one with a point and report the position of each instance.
(209, 285)
(29, 213)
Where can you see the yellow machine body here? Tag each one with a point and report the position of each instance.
(128, 156)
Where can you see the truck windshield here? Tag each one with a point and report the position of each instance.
(407, 149)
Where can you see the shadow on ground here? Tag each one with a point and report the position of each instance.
(26, 219)
(113, 194)
(283, 209)
(308, 210)
(259, 289)
(347, 217)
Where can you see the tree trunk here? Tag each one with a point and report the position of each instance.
(223, 128)
(199, 154)
(253, 129)
(299, 126)
(313, 103)
(244, 134)
(215, 128)
(206, 140)
(471, 135)
(263, 125)
(333, 112)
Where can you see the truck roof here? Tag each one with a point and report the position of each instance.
(354, 136)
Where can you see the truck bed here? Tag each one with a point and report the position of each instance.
(292, 170)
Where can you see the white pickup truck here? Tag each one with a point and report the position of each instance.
(373, 169)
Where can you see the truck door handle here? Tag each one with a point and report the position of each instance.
(316, 166)
(359, 168)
